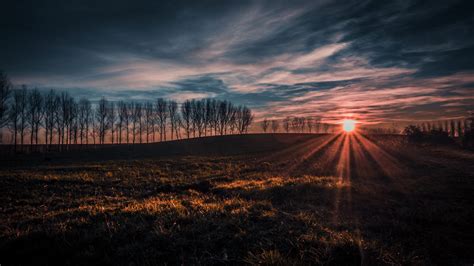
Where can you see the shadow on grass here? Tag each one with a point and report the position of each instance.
(204, 223)
(225, 211)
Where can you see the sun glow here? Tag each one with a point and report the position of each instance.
(348, 125)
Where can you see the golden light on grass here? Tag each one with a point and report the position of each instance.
(348, 125)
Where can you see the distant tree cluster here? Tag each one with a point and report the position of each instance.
(443, 131)
(386, 130)
(63, 120)
(297, 125)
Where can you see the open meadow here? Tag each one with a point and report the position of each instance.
(286, 199)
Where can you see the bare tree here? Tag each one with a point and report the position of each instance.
(423, 127)
(58, 123)
(73, 122)
(35, 114)
(23, 113)
(301, 123)
(229, 116)
(122, 119)
(239, 113)
(452, 130)
(223, 116)
(325, 127)
(265, 124)
(248, 118)
(162, 115)
(111, 119)
(310, 124)
(18, 115)
(186, 117)
(14, 114)
(275, 125)
(197, 116)
(317, 124)
(286, 124)
(95, 130)
(295, 124)
(149, 118)
(174, 118)
(153, 122)
(232, 113)
(51, 104)
(63, 117)
(208, 113)
(214, 116)
(84, 119)
(459, 128)
(128, 120)
(5, 91)
(101, 118)
(139, 114)
(136, 117)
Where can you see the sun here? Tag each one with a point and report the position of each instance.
(348, 125)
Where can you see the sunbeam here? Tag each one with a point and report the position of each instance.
(387, 163)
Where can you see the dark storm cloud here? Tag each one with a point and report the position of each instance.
(279, 57)
(436, 37)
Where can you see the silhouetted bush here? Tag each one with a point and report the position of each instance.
(438, 136)
(468, 139)
(416, 135)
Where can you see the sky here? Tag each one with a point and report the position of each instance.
(374, 61)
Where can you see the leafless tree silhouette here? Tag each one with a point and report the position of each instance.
(35, 114)
(149, 118)
(136, 122)
(122, 121)
(14, 115)
(286, 124)
(244, 118)
(101, 114)
(51, 104)
(265, 124)
(174, 118)
(452, 130)
(84, 118)
(111, 119)
(162, 116)
(459, 129)
(197, 117)
(223, 116)
(186, 117)
(17, 115)
(5, 91)
(275, 126)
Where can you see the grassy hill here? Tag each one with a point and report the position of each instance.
(206, 146)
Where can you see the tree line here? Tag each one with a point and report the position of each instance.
(453, 128)
(56, 117)
(445, 131)
(297, 125)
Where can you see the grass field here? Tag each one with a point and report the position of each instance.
(257, 199)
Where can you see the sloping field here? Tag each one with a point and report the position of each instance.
(275, 199)
(206, 146)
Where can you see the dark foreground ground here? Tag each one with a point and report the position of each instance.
(257, 199)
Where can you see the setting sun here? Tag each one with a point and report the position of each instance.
(348, 125)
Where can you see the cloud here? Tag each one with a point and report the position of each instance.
(371, 101)
(371, 59)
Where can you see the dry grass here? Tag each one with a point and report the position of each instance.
(240, 210)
